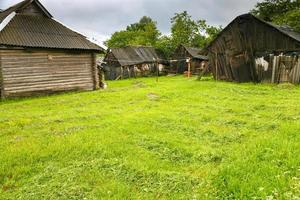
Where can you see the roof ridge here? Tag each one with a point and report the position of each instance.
(42, 32)
(21, 5)
(257, 18)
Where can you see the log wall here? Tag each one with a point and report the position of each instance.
(25, 73)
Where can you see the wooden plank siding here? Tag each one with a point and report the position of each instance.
(45, 71)
(232, 54)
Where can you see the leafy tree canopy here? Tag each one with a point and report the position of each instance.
(144, 32)
(282, 12)
(184, 30)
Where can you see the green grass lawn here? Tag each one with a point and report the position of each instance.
(175, 139)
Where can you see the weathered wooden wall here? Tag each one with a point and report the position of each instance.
(232, 55)
(181, 66)
(114, 70)
(113, 67)
(32, 9)
(25, 73)
(278, 69)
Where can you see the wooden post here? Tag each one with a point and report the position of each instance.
(157, 71)
(121, 72)
(157, 68)
(95, 72)
(274, 69)
(216, 66)
(188, 61)
(1, 79)
(189, 68)
(129, 73)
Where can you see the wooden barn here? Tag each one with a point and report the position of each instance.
(182, 54)
(250, 49)
(39, 55)
(131, 62)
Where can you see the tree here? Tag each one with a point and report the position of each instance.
(144, 21)
(164, 43)
(184, 30)
(144, 32)
(212, 32)
(291, 18)
(189, 32)
(120, 39)
(282, 12)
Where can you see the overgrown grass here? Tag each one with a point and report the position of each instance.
(175, 139)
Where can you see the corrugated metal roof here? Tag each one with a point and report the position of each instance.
(34, 31)
(26, 30)
(135, 55)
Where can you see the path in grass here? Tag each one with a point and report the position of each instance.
(176, 139)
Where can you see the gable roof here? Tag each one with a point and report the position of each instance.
(195, 52)
(135, 55)
(286, 30)
(20, 6)
(25, 30)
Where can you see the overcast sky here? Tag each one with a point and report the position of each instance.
(100, 18)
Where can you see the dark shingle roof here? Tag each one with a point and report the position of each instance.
(195, 52)
(135, 55)
(285, 30)
(26, 30)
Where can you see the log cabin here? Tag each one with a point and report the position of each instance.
(39, 55)
(183, 53)
(127, 62)
(252, 50)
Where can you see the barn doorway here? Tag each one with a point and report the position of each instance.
(240, 68)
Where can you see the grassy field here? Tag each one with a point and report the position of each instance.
(176, 139)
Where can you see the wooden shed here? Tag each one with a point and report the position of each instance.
(132, 61)
(182, 54)
(39, 55)
(250, 49)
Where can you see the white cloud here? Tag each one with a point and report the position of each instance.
(100, 18)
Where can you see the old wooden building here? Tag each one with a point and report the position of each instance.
(40, 55)
(250, 49)
(132, 61)
(183, 55)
